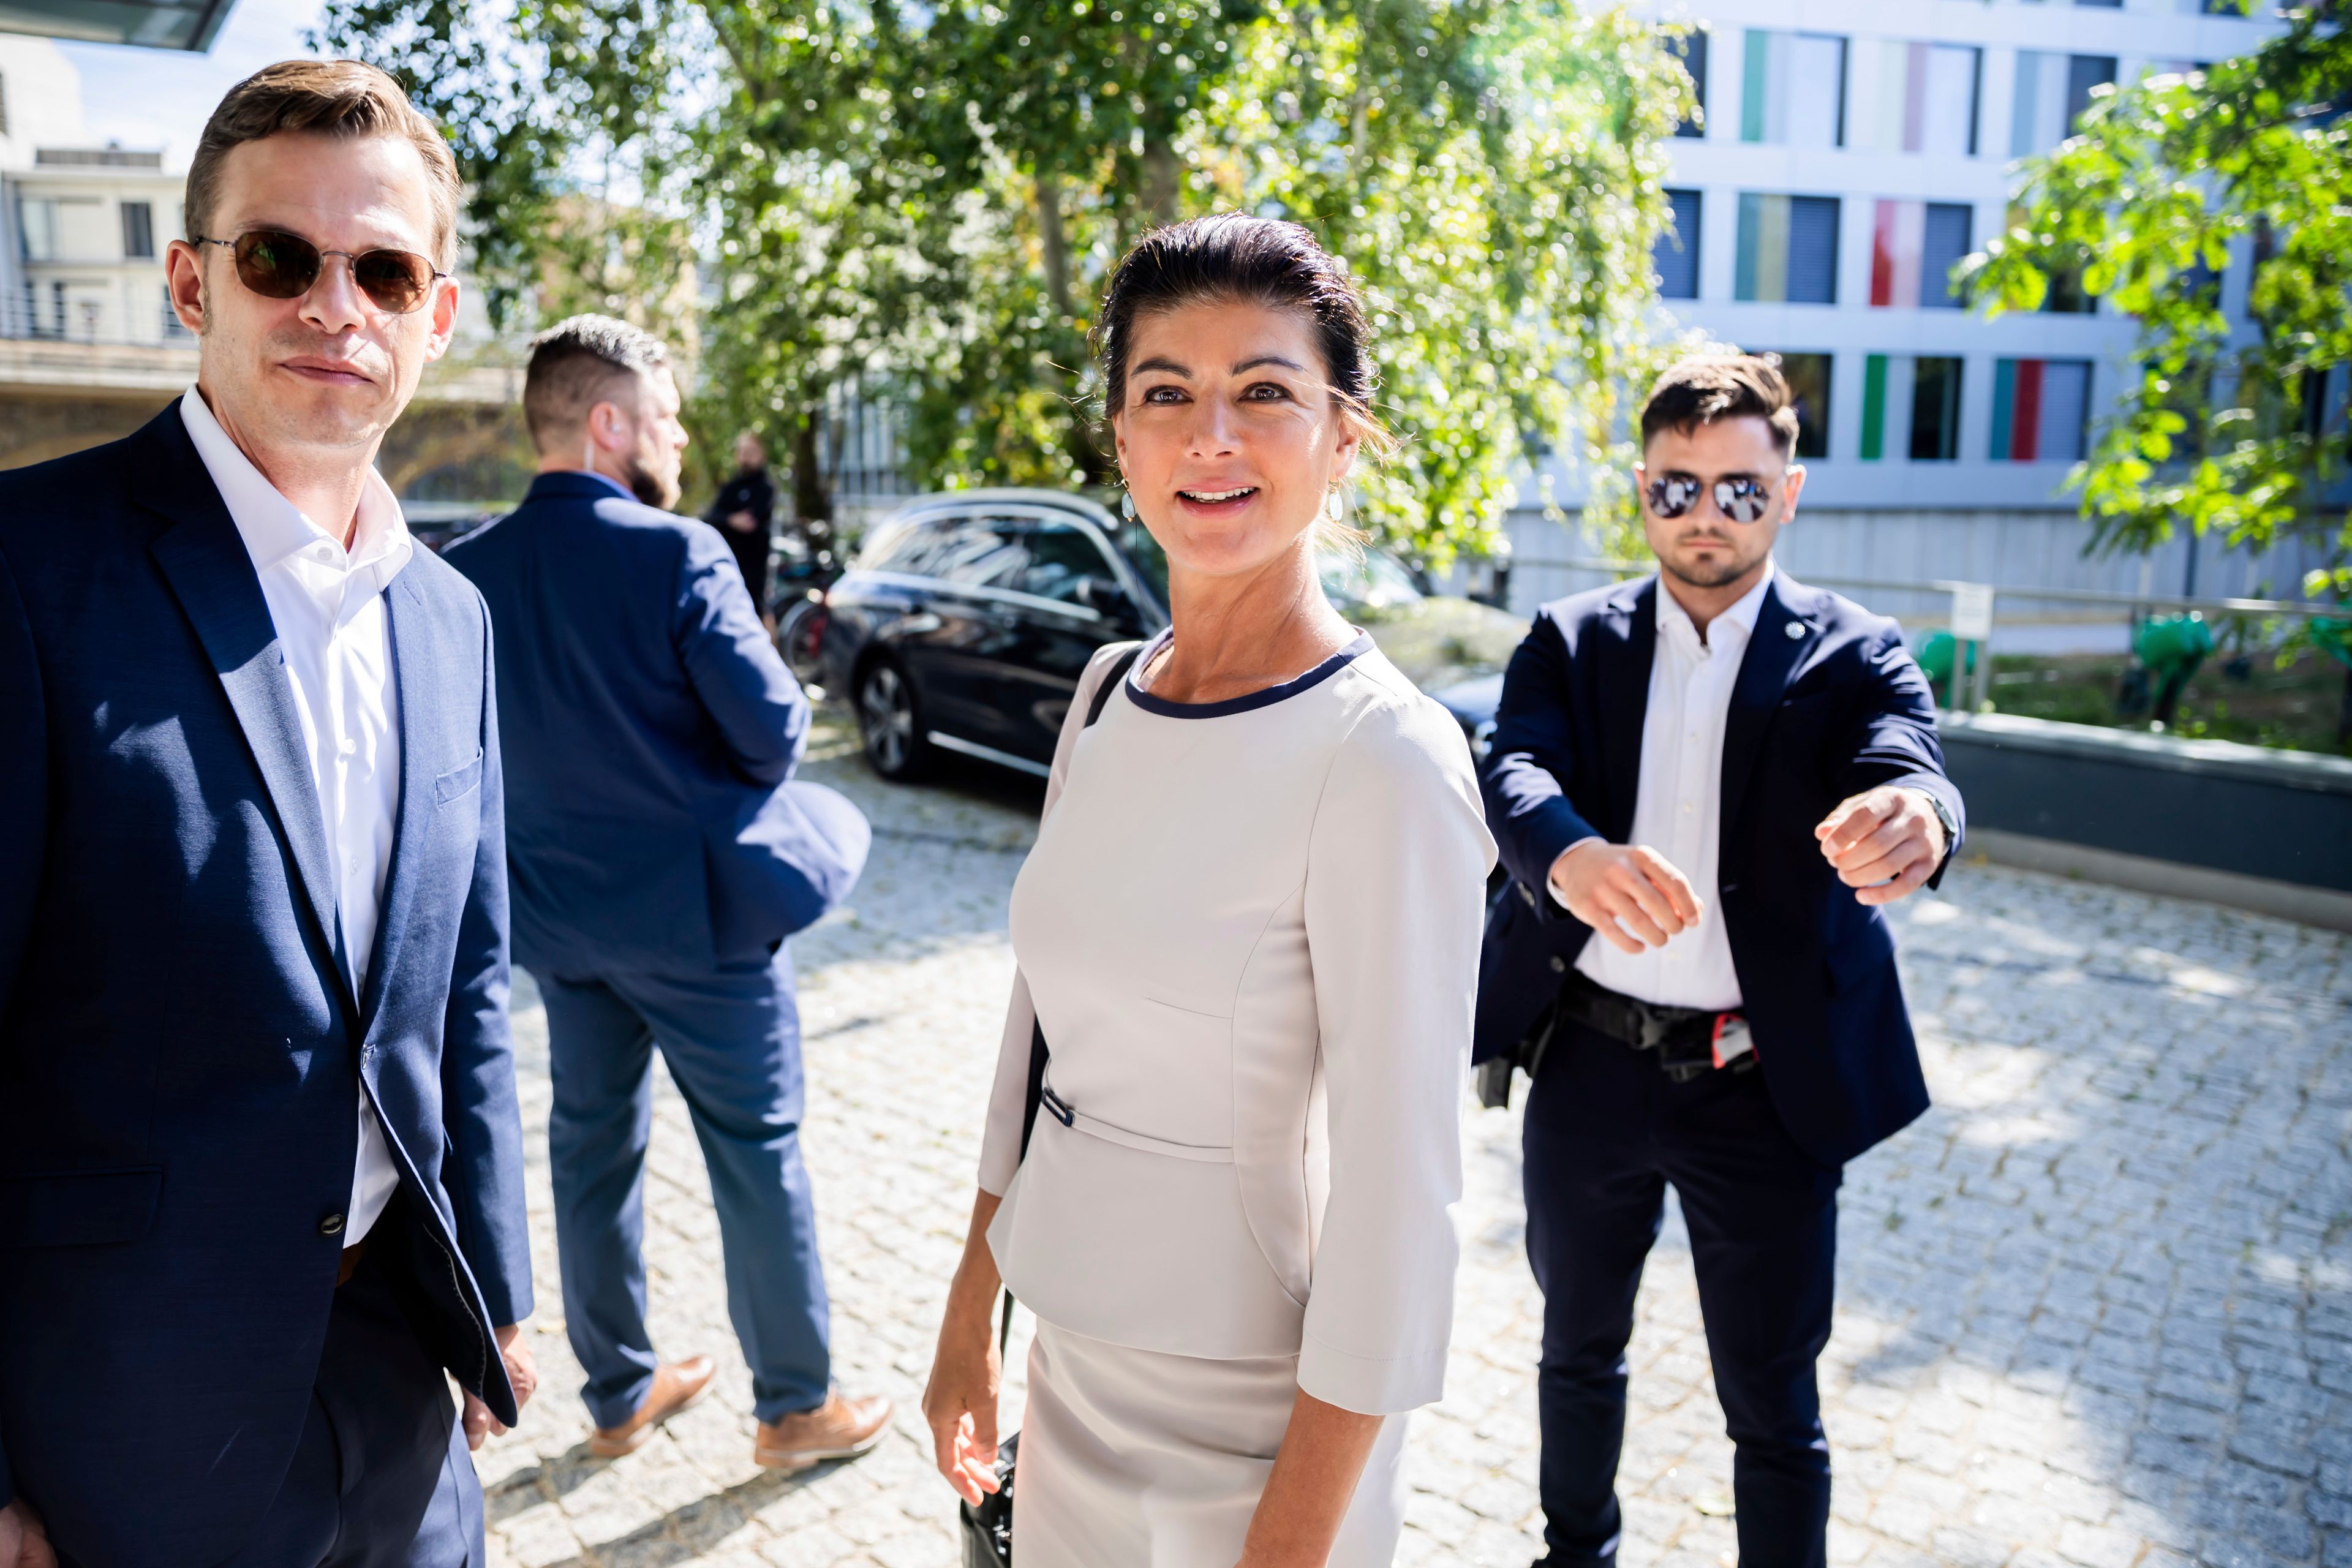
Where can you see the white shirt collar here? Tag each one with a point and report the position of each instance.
(274, 528)
(1742, 612)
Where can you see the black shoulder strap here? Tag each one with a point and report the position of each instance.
(1035, 1098)
(1112, 676)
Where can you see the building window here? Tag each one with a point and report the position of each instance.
(2041, 410)
(1924, 99)
(3, 106)
(1913, 246)
(138, 231)
(1788, 249)
(1808, 376)
(1690, 48)
(2052, 91)
(1928, 387)
(1675, 255)
(172, 326)
(1793, 90)
(36, 227)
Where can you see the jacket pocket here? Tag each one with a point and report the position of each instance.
(458, 782)
(80, 1208)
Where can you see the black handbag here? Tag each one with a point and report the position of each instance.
(988, 1529)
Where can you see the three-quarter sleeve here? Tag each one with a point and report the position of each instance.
(1397, 864)
(1000, 1147)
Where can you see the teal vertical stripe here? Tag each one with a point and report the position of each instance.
(1873, 408)
(1743, 272)
(2004, 399)
(1756, 79)
(2026, 105)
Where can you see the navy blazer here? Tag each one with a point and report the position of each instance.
(1836, 708)
(181, 1051)
(651, 733)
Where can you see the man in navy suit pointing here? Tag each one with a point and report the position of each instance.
(662, 852)
(1705, 786)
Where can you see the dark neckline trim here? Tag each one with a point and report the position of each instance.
(1266, 697)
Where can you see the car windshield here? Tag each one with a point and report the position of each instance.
(1373, 580)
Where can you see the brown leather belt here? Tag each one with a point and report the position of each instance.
(350, 1264)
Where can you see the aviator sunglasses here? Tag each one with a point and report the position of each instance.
(1741, 500)
(280, 266)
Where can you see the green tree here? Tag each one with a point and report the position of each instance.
(932, 196)
(2223, 429)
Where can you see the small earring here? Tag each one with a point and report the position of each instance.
(1336, 508)
(1127, 505)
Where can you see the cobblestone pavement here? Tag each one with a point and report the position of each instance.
(2095, 1308)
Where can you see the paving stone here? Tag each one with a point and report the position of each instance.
(2097, 1302)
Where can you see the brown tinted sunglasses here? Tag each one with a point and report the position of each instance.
(280, 266)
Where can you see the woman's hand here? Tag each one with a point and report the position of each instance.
(960, 1402)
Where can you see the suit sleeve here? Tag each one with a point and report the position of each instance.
(736, 670)
(1527, 808)
(482, 1118)
(1396, 874)
(1008, 1096)
(24, 817)
(1893, 739)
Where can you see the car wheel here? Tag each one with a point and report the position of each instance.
(888, 723)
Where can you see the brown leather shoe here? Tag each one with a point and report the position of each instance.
(837, 1429)
(676, 1386)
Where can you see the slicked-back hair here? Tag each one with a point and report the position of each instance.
(1709, 388)
(1265, 261)
(323, 98)
(575, 364)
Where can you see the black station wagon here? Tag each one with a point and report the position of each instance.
(969, 616)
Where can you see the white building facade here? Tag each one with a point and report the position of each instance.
(1847, 156)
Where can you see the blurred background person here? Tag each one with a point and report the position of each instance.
(745, 512)
(1705, 783)
(661, 852)
(258, 1135)
(1249, 930)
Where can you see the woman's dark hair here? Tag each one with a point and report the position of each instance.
(1264, 260)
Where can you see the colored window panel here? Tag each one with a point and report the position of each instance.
(1690, 48)
(1788, 249)
(2062, 414)
(1935, 409)
(2084, 72)
(1943, 242)
(2039, 115)
(1792, 89)
(1813, 251)
(1950, 90)
(1873, 408)
(1676, 255)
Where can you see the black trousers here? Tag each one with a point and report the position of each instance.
(1605, 1132)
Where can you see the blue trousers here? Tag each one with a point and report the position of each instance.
(1605, 1132)
(731, 1040)
(381, 1477)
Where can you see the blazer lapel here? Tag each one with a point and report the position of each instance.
(414, 681)
(1626, 646)
(205, 560)
(1773, 652)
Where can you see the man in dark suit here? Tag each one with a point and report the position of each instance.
(1705, 786)
(260, 1166)
(662, 852)
(744, 512)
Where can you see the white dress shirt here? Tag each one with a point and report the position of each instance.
(1679, 809)
(327, 603)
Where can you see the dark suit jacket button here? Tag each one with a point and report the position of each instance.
(1559, 965)
(331, 1226)
(1528, 894)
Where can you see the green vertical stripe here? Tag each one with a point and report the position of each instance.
(1772, 248)
(1743, 279)
(2004, 397)
(1873, 408)
(1756, 79)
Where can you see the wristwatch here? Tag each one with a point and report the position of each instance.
(1951, 824)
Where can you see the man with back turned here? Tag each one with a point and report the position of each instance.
(1707, 784)
(662, 852)
(261, 1164)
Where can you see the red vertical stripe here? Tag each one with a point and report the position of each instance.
(1882, 255)
(2025, 412)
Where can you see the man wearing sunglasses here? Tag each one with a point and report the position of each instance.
(1707, 784)
(260, 1161)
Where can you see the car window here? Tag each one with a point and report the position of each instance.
(901, 544)
(981, 552)
(1374, 579)
(1062, 556)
